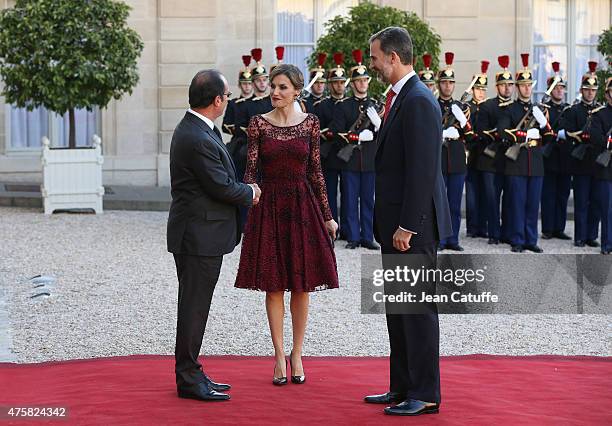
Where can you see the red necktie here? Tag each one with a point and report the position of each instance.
(390, 95)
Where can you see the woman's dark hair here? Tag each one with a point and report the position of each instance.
(205, 87)
(292, 72)
(395, 39)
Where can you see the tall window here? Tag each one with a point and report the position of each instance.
(27, 128)
(567, 31)
(299, 23)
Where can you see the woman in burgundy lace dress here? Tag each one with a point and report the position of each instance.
(287, 244)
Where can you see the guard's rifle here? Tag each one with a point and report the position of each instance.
(527, 122)
(581, 138)
(603, 159)
(448, 119)
(351, 137)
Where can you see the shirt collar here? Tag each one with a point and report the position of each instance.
(204, 119)
(397, 87)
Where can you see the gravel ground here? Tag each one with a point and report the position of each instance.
(116, 294)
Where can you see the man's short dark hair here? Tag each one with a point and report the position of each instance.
(205, 86)
(395, 39)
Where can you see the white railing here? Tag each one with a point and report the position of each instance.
(72, 178)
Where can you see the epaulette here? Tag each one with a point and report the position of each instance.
(599, 108)
(504, 104)
(240, 100)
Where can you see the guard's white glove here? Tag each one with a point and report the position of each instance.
(539, 116)
(450, 133)
(459, 115)
(366, 136)
(561, 134)
(533, 134)
(374, 118)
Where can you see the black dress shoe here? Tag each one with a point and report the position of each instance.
(298, 380)
(352, 245)
(279, 381)
(579, 243)
(517, 249)
(534, 248)
(561, 236)
(412, 407)
(454, 247)
(370, 245)
(493, 241)
(219, 387)
(385, 398)
(592, 243)
(606, 251)
(547, 235)
(201, 391)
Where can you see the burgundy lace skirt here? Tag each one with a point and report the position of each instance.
(285, 245)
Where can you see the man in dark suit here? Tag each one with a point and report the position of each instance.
(203, 224)
(411, 215)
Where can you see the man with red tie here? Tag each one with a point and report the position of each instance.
(411, 216)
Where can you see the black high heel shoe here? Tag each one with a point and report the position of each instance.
(298, 380)
(279, 381)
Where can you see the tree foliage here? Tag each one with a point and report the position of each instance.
(604, 47)
(66, 54)
(344, 34)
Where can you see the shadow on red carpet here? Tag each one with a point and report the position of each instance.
(477, 389)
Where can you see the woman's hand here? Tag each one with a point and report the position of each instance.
(331, 227)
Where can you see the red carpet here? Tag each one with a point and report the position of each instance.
(478, 389)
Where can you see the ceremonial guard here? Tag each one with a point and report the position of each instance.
(455, 126)
(491, 162)
(325, 109)
(524, 125)
(426, 75)
(235, 107)
(600, 130)
(318, 87)
(557, 160)
(576, 122)
(355, 123)
(259, 103)
(475, 200)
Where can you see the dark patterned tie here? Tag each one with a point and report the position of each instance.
(217, 132)
(390, 95)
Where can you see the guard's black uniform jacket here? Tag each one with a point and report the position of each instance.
(530, 161)
(489, 115)
(574, 120)
(559, 160)
(453, 150)
(472, 139)
(232, 124)
(362, 159)
(600, 133)
(309, 102)
(325, 110)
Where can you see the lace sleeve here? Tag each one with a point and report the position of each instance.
(253, 135)
(315, 176)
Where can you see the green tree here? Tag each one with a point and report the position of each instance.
(65, 55)
(604, 46)
(344, 34)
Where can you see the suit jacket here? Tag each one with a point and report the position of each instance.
(204, 219)
(410, 190)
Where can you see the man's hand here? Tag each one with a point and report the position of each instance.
(459, 115)
(366, 135)
(401, 240)
(331, 227)
(257, 193)
(450, 133)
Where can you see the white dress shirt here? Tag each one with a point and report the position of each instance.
(397, 87)
(210, 124)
